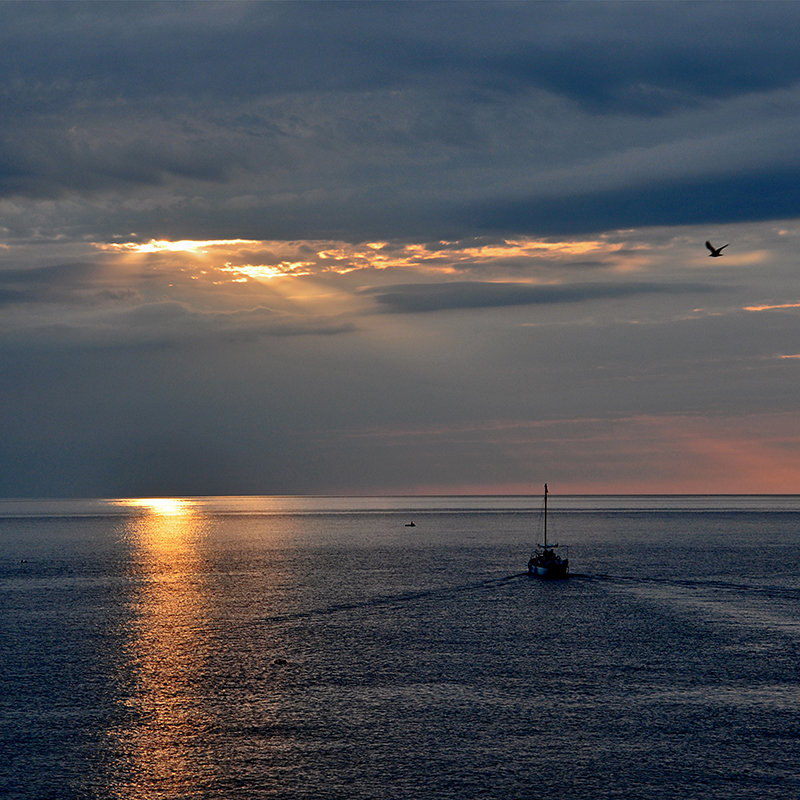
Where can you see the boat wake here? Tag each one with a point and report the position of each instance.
(769, 590)
(393, 600)
(753, 608)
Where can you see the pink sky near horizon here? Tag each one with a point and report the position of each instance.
(671, 454)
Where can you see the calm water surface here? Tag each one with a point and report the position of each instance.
(318, 648)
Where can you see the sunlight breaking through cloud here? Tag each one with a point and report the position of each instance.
(307, 258)
(181, 246)
(266, 272)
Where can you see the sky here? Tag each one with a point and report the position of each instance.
(399, 248)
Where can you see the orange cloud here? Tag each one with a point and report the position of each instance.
(305, 258)
(772, 308)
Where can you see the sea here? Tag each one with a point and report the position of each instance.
(321, 647)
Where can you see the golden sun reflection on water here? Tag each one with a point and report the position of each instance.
(165, 745)
(159, 506)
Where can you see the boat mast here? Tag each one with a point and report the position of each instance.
(545, 516)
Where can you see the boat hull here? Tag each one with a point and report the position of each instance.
(545, 563)
(553, 573)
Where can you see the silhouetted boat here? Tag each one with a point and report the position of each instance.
(545, 561)
(411, 524)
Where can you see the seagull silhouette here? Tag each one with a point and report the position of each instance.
(716, 252)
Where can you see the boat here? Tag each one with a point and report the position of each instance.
(411, 524)
(545, 561)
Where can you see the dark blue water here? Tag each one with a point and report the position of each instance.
(317, 648)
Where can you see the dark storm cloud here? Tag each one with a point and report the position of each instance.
(663, 57)
(413, 298)
(364, 120)
(741, 197)
(598, 53)
(100, 158)
(53, 275)
(73, 283)
(118, 323)
(174, 323)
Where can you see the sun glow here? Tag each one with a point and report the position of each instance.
(295, 259)
(159, 506)
(267, 272)
(182, 246)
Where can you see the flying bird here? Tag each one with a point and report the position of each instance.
(716, 252)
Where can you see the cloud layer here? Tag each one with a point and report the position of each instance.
(360, 121)
(343, 247)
